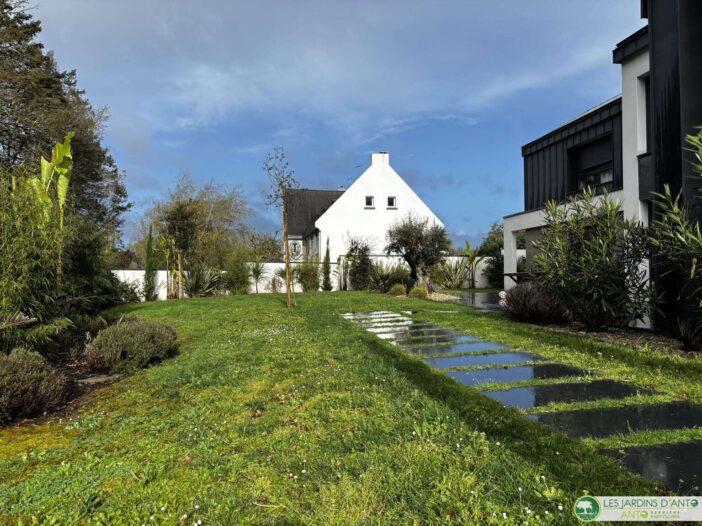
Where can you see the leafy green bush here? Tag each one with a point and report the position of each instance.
(590, 259)
(678, 239)
(131, 344)
(42, 337)
(494, 271)
(28, 385)
(419, 291)
(361, 266)
(385, 275)
(307, 274)
(398, 289)
(237, 278)
(529, 302)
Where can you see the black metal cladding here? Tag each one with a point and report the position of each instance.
(549, 171)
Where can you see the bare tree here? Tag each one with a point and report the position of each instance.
(281, 178)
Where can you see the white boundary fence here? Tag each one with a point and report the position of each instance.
(135, 278)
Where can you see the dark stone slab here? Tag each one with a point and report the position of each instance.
(374, 316)
(435, 340)
(600, 423)
(482, 359)
(507, 375)
(678, 466)
(461, 348)
(540, 395)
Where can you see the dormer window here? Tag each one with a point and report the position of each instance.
(392, 202)
(370, 201)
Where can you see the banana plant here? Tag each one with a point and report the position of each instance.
(59, 168)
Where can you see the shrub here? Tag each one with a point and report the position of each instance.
(237, 278)
(529, 302)
(420, 291)
(308, 275)
(361, 265)
(385, 275)
(131, 344)
(590, 260)
(494, 271)
(202, 281)
(398, 289)
(451, 274)
(28, 385)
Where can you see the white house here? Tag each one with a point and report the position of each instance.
(367, 209)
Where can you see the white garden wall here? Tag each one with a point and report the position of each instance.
(136, 277)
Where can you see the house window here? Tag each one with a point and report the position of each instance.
(370, 201)
(599, 178)
(392, 202)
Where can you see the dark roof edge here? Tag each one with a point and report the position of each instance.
(631, 45)
(573, 125)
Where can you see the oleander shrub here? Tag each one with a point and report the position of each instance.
(590, 258)
(131, 344)
(398, 289)
(419, 291)
(530, 303)
(29, 386)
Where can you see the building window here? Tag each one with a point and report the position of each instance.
(370, 201)
(392, 202)
(599, 178)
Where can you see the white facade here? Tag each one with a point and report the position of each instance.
(365, 210)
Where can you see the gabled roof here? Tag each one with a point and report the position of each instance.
(304, 207)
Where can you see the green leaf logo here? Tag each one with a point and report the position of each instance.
(586, 509)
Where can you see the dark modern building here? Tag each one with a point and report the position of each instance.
(632, 144)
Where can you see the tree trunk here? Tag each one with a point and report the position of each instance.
(286, 249)
(180, 275)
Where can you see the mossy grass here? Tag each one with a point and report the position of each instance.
(272, 415)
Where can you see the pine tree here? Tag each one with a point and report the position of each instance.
(326, 271)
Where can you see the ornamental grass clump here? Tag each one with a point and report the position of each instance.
(419, 292)
(29, 386)
(530, 303)
(131, 344)
(398, 289)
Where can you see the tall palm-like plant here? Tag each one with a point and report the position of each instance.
(473, 259)
(258, 271)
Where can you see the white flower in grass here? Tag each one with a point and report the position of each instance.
(519, 488)
(560, 507)
(504, 514)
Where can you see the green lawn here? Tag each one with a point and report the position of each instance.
(270, 416)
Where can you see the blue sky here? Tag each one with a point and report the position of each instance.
(451, 89)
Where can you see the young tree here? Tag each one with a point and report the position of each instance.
(150, 268)
(422, 245)
(326, 271)
(180, 229)
(281, 179)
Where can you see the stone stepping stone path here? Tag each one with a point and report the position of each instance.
(475, 363)
(540, 395)
(508, 375)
